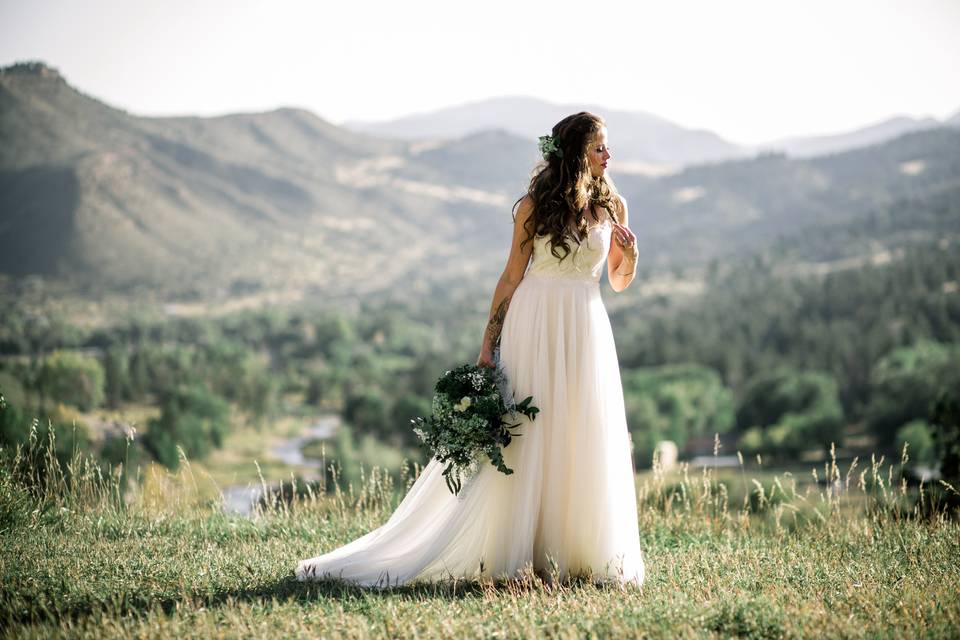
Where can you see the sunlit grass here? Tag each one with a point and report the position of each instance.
(845, 553)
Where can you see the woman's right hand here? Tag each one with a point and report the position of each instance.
(485, 359)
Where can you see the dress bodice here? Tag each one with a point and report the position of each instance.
(584, 262)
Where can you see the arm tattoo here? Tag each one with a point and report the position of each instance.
(495, 326)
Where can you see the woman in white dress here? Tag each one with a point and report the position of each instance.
(570, 506)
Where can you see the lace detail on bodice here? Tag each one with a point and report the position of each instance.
(584, 262)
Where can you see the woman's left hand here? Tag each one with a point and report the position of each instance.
(626, 240)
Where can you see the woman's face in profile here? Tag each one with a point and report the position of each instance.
(598, 153)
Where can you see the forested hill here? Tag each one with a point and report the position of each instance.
(712, 211)
(288, 203)
(266, 200)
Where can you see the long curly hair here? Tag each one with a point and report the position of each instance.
(561, 187)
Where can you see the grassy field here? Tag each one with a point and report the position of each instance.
(842, 553)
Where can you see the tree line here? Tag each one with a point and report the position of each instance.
(779, 364)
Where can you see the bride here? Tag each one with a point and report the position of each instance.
(570, 506)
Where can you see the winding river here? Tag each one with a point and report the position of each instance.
(239, 498)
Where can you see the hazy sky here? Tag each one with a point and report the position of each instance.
(751, 71)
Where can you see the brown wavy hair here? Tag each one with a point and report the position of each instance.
(561, 187)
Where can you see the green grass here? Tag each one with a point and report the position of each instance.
(79, 557)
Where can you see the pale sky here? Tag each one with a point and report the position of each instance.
(751, 71)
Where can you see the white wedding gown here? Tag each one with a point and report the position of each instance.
(572, 496)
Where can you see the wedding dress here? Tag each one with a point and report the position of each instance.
(571, 500)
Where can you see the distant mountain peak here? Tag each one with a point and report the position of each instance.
(641, 137)
(31, 68)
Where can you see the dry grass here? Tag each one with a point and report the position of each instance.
(844, 553)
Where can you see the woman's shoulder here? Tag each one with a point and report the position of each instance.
(525, 206)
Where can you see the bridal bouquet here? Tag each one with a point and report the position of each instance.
(467, 421)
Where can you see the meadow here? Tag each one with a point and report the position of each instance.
(275, 273)
(742, 552)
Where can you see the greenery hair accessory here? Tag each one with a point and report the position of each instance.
(548, 145)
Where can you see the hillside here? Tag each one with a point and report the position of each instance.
(644, 143)
(719, 210)
(806, 146)
(286, 203)
(775, 556)
(96, 195)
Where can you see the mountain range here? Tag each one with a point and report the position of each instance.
(642, 142)
(284, 198)
(289, 203)
(645, 143)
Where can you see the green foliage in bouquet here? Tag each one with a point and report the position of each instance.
(467, 421)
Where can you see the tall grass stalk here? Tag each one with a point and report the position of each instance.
(743, 551)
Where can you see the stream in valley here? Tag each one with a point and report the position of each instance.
(240, 498)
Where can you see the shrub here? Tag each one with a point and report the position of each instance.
(192, 417)
(72, 378)
(918, 435)
(787, 411)
(905, 383)
(675, 402)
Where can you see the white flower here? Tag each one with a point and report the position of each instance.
(476, 379)
(465, 402)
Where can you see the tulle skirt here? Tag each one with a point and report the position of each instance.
(570, 506)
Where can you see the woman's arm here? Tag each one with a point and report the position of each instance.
(621, 262)
(509, 280)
